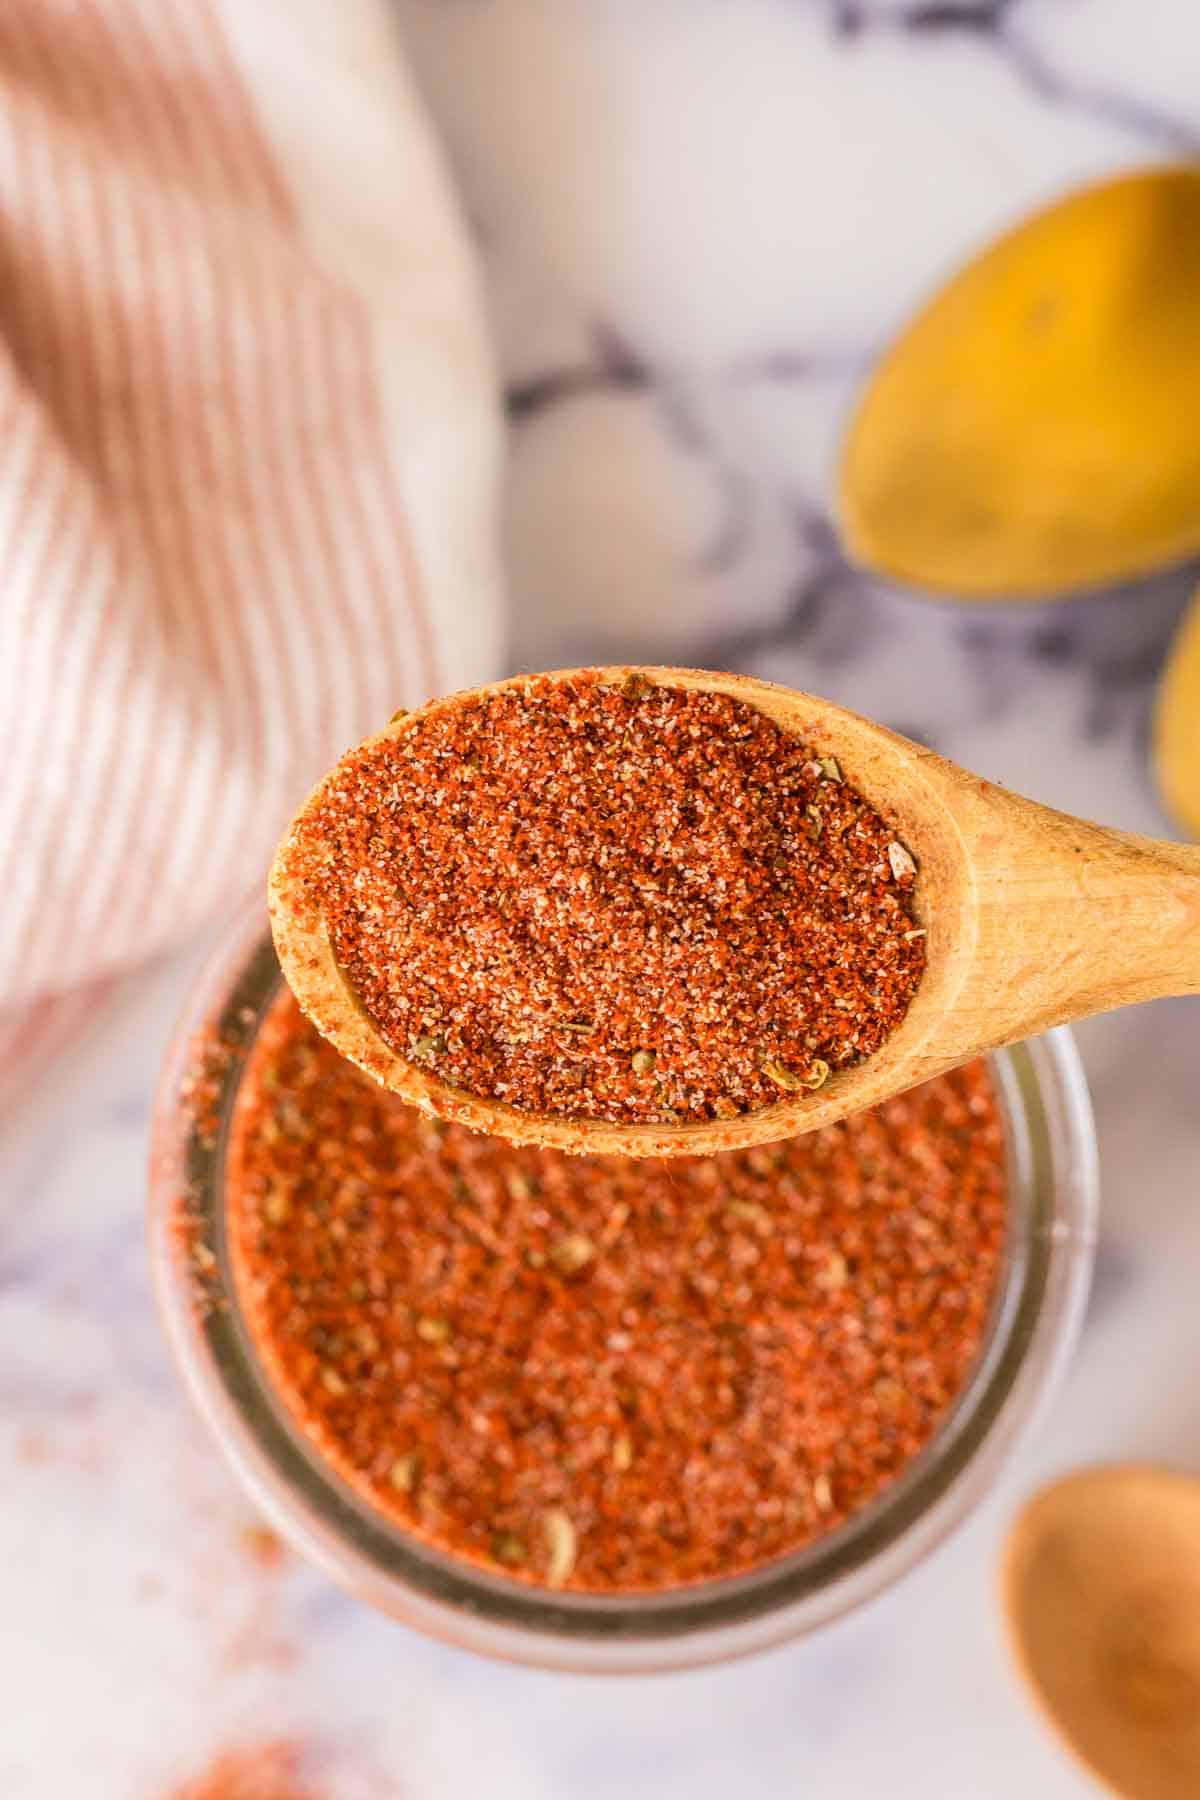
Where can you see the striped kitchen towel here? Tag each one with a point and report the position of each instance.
(248, 449)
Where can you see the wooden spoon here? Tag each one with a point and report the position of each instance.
(1101, 1589)
(1032, 917)
(1036, 428)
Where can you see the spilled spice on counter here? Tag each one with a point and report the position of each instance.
(631, 902)
(262, 1772)
(264, 1547)
(597, 1373)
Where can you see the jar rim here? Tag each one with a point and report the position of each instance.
(1037, 1314)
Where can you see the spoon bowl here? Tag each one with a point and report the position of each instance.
(1031, 918)
(1033, 429)
(1101, 1591)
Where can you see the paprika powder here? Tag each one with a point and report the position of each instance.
(600, 1374)
(623, 901)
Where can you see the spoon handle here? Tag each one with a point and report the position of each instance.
(1071, 919)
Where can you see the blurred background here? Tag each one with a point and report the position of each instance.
(699, 223)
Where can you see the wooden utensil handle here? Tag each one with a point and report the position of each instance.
(1072, 919)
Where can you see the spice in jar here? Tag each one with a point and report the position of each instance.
(631, 902)
(596, 1373)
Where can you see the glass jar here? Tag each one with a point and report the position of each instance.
(1036, 1317)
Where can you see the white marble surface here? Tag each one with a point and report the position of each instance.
(699, 216)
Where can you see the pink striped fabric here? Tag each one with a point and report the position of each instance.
(209, 585)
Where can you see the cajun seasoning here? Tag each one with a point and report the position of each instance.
(211, 1057)
(269, 1771)
(630, 902)
(595, 1373)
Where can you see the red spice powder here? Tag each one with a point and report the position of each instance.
(264, 1547)
(633, 903)
(599, 1373)
(211, 1056)
(263, 1772)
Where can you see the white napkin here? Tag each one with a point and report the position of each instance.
(248, 452)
